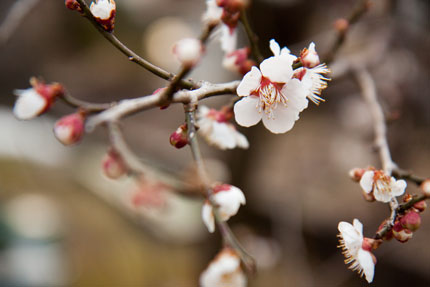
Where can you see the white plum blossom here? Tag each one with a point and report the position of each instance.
(271, 93)
(224, 271)
(188, 51)
(103, 8)
(29, 104)
(383, 186)
(216, 129)
(356, 253)
(314, 81)
(227, 199)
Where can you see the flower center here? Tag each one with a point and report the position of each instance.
(382, 182)
(270, 95)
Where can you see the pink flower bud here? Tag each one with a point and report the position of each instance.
(104, 12)
(411, 220)
(73, 5)
(420, 206)
(356, 173)
(188, 51)
(237, 61)
(309, 57)
(37, 100)
(70, 129)
(113, 165)
(400, 233)
(341, 25)
(179, 138)
(425, 187)
(233, 6)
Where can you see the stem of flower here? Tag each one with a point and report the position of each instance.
(252, 37)
(87, 106)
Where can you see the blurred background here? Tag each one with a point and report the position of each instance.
(63, 224)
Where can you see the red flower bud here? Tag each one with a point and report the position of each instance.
(411, 220)
(420, 206)
(400, 233)
(73, 5)
(179, 138)
(356, 173)
(70, 129)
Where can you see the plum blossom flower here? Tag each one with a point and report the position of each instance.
(70, 129)
(104, 12)
(33, 102)
(228, 199)
(271, 93)
(356, 249)
(216, 129)
(224, 270)
(383, 186)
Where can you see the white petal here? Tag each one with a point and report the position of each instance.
(358, 226)
(277, 69)
(274, 47)
(366, 181)
(250, 82)
(102, 8)
(397, 187)
(295, 92)
(229, 202)
(241, 140)
(222, 136)
(351, 236)
(246, 112)
(283, 120)
(228, 39)
(366, 261)
(208, 217)
(29, 104)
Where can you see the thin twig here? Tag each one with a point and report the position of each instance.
(87, 106)
(15, 16)
(132, 56)
(403, 174)
(252, 37)
(228, 237)
(130, 106)
(359, 10)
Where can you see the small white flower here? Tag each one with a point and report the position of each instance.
(351, 242)
(213, 13)
(384, 187)
(188, 51)
(103, 9)
(228, 199)
(309, 57)
(271, 93)
(216, 130)
(224, 271)
(29, 104)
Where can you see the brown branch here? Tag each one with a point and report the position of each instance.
(403, 174)
(87, 106)
(132, 56)
(359, 10)
(252, 37)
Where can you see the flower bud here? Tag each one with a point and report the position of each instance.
(420, 205)
(309, 57)
(104, 12)
(400, 233)
(37, 100)
(425, 187)
(356, 173)
(237, 61)
(70, 129)
(233, 6)
(113, 165)
(188, 51)
(73, 5)
(179, 138)
(341, 25)
(411, 220)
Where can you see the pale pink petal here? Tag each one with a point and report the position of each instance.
(398, 187)
(277, 69)
(366, 181)
(222, 136)
(296, 94)
(282, 121)
(250, 82)
(246, 111)
(365, 259)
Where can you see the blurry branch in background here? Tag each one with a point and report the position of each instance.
(14, 17)
(252, 37)
(369, 93)
(87, 106)
(342, 26)
(229, 238)
(132, 56)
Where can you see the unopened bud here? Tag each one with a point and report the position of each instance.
(70, 129)
(425, 187)
(104, 12)
(113, 165)
(356, 173)
(411, 220)
(233, 6)
(237, 61)
(179, 138)
(341, 25)
(420, 205)
(73, 5)
(400, 233)
(188, 51)
(309, 57)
